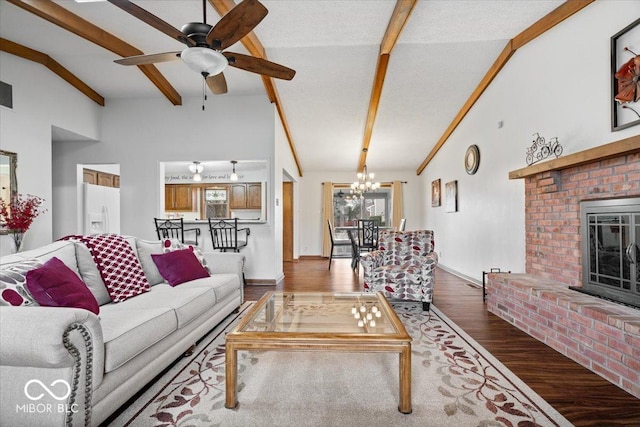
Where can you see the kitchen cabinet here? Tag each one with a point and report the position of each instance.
(254, 196)
(178, 197)
(245, 196)
(90, 176)
(103, 179)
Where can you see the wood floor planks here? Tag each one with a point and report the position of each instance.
(583, 397)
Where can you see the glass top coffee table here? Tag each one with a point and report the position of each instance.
(313, 321)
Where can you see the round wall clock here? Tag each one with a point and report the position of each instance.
(472, 159)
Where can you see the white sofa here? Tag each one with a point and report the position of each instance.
(105, 359)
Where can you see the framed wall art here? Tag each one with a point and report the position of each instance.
(435, 193)
(625, 70)
(451, 196)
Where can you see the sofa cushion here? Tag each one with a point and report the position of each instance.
(128, 331)
(145, 249)
(90, 274)
(186, 303)
(13, 289)
(56, 285)
(64, 251)
(222, 284)
(118, 265)
(179, 266)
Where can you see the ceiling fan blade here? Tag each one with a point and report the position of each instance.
(149, 59)
(217, 84)
(259, 65)
(153, 20)
(236, 24)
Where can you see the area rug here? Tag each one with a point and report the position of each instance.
(455, 382)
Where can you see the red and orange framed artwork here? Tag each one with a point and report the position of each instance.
(625, 77)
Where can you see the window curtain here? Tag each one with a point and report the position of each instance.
(327, 214)
(397, 213)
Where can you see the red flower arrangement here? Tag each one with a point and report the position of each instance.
(17, 215)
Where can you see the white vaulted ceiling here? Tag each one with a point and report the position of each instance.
(445, 49)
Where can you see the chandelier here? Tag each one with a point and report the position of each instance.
(364, 184)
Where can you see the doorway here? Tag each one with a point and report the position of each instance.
(287, 221)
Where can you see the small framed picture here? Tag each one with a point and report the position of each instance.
(435, 193)
(451, 196)
(625, 70)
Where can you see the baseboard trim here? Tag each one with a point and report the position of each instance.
(473, 281)
(312, 257)
(261, 282)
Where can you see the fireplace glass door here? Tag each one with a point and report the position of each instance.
(611, 239)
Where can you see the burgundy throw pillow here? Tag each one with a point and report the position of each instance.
(179, 266)
(56, 285)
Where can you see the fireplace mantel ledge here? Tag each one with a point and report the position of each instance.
(606, 151)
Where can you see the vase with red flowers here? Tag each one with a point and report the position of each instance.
(18, 214)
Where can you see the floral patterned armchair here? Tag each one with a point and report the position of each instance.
(403, 267)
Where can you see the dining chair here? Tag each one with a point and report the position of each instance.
(173, 228)
(368, 234)
(226, 236)
(335, 242)
(355, 251)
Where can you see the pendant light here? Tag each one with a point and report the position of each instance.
(196, 169)
(234, 175)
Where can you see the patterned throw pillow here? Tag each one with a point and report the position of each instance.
(13, 290)
(170, 245)
(117, 262)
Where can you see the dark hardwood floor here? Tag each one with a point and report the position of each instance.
(583, 397)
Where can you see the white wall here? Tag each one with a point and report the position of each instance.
(557, 85)
(310, 206)
(139, 134)
(40, 99)
(285, 168)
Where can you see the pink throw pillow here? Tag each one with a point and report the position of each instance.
(56, 285)
(179, 266)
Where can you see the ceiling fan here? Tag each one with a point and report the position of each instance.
(205, 43)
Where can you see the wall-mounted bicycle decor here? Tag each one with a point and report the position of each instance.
(540, 149)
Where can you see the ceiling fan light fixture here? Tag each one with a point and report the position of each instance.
(204, 60)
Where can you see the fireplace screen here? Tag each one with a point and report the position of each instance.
(610, 253)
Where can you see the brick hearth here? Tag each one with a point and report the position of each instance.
(600, 335)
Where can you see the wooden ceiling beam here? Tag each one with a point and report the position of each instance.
(544, 24)
(44, 59)
(255, 48)
(56, 14)
(398, 20)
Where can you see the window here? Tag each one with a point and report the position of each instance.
(347, 210)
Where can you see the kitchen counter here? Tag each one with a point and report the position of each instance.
(240, 221)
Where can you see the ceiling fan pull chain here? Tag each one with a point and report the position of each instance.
(204, 91)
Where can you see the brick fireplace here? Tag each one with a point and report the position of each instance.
(600, 335)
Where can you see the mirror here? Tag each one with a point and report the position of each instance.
(197, 190)
(8, 180)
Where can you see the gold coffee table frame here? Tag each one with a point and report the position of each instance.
(320, 321)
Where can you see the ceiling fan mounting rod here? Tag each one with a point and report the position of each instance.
(204, 11)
